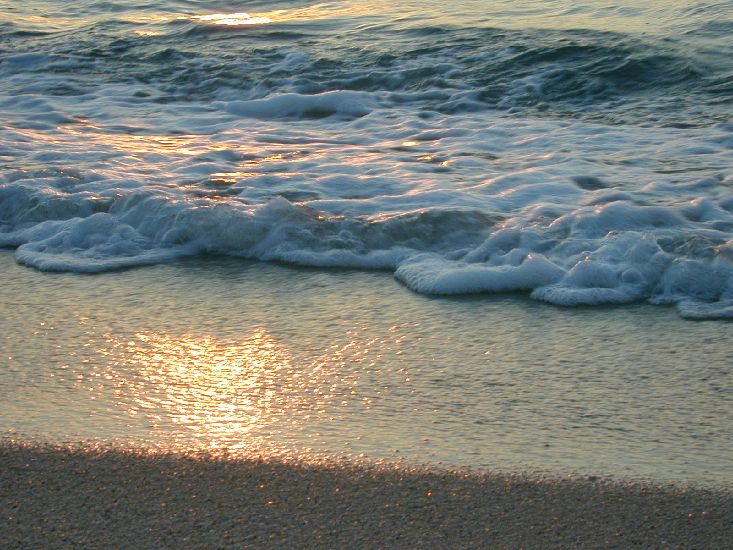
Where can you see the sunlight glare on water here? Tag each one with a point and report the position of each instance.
(233, 19)
(204, 391)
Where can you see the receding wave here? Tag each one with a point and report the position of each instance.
(616, 253)
(583, 166)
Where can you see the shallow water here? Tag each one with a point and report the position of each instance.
(245, 357)
(579, 153)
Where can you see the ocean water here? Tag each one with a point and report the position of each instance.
(251, 358)
(578, 154)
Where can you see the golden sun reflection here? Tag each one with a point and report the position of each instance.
(215, 390)
(229, 178)
(180, 144)
(233, 19)
(201, 390)
(135, 144)
(139, 155)
(313, 12)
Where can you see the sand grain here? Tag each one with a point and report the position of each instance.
(62, 497)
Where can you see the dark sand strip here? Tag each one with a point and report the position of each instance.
(57, 497)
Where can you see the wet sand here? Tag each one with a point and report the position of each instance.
(62, 497)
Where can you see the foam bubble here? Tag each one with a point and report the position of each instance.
(93, 244)
(435, 275)
(623, 269)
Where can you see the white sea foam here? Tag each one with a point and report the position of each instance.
(420, 164)
(512, 220)
(516, 270)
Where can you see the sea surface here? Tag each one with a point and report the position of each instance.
(255, 359)
(483, 165)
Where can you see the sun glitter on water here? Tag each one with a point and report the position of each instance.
(233, 19)
(222, 395)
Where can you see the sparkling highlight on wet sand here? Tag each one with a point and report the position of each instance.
(86, 496)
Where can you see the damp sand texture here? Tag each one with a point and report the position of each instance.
(64, 497)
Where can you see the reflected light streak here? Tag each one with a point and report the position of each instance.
(217, 391)
(229, 178)
(139, 155)
(83, 134)
(233, 19)
(235, 396)
(46, 22)
(142, 144)
(323, 10)
(188, 144)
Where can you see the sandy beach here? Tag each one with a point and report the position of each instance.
(85, 497)
(353, 274)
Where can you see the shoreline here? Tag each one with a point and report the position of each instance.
(351, 363)
(71, 496)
